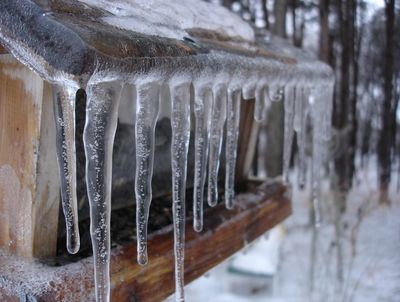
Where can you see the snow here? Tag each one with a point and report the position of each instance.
(153, 17)
(373, 274)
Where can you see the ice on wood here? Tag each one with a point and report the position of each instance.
(185, 46)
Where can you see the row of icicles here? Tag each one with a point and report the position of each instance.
(215, 108)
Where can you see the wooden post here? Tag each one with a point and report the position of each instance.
(29, 192)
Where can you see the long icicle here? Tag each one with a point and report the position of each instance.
(301, 129)
(180, 122)
(98, 138)
(232, 134)
(218, 117)
(317, 151)
(289, 100)
(64, 114)
(202, 113)
(147, 106)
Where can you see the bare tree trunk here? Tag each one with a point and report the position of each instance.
(274, 126)
(280, 9)
(325, 43)
(386, 141)
(264, 4)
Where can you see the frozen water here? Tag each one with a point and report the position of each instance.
(301, 130)
(64, 114)
(214, 104)
(98, 137)
(202, 111)
(180, 123)
(153, 17)
(218, 117)
(232, 134)
(147, 105)
(289, 99)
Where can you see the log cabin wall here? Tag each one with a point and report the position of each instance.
(29, 190)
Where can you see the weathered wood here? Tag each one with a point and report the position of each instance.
(28, 183)
(225, 233)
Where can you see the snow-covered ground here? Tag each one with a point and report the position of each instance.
(368, 250)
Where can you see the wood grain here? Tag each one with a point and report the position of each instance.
(225, 233)
(22, 215)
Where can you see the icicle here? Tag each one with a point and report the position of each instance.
(275, 93)
(327, 121)
(202, 112)
(218, 117)
(259, 104)
(267, 102)
(232, 134)
(147, 106)
(301, 129)
(317, 152)
(100, 127)
(249, 90)
(64, 113)
(180, 122)
(288, 129)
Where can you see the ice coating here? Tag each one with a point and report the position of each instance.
(218, 117)
(64, 115)
(232, 135)
(147, 106)
(202, 112)
(259, 104)
(301, 115)
(289, 105)
(180, 123)
(317, 116)
(153, 17)
(98, 138)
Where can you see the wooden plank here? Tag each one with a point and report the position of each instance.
(22, 209)
(225, 233)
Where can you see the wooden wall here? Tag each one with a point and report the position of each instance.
(29, 193)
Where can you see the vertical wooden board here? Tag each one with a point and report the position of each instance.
(21, 94)
(47, 197)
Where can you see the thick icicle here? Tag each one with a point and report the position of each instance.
(147, 106)
(259, 104)
(202, 113)
(288, 128)
(232, 134)
(300, 122)
(317, 151)
(218, 117)
(64, 113)
(101, 124)
(180, 122)
(275, 93)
